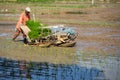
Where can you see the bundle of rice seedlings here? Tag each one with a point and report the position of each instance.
(37, 30)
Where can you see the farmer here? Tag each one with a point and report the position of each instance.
(25, 16)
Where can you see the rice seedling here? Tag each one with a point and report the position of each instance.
(37, 30)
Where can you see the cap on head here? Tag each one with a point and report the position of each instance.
(28, 9)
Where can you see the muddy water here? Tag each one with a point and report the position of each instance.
(3, 34)
(105, 39)
(7, 30)
(109, 65)
(94, 67)
(106, 69)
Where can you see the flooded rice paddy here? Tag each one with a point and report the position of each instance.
(89, 64)
(97, 50)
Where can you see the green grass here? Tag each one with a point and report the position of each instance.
(42, 1)
(63, 6)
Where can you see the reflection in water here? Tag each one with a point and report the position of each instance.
(3, 34)
(110, 65)
(22, 70)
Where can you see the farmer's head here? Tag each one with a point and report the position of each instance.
(27, 10)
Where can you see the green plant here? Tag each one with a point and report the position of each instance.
(37, 30)
(33, 25)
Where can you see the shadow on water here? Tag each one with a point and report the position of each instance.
(22, 70)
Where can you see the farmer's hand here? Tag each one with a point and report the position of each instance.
(18, 28)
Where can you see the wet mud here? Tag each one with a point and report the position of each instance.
(90, 38)
(103, 39)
